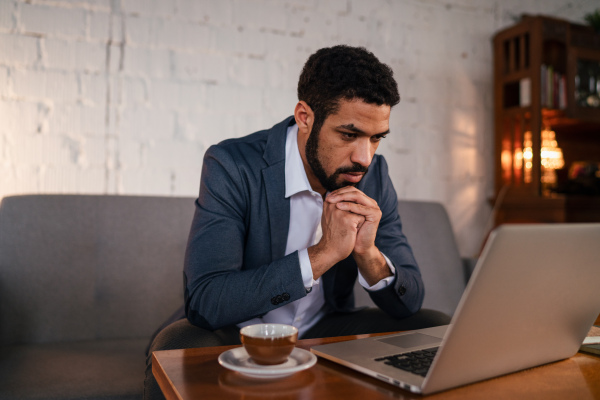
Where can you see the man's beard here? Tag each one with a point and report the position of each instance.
(312, 157)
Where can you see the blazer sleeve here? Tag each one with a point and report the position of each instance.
(404, 296)
(220, 289)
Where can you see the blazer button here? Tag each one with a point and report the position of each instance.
(274, 301)
(401, 290)
(279, 299)
(285, 296)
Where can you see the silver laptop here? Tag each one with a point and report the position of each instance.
(531, 300)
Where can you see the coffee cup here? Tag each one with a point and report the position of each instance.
(269, 344)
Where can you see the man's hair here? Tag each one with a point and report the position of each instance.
(345, 73)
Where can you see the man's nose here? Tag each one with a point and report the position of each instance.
(363, 153)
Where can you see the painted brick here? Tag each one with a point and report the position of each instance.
(93, 88)
(178, 34)
(147, 62)
(242, 100)
(21, 179)
(53, 20)
(177, 95)
(134, 91)
(148, 181)
(45, 84)
(100, 26)
(228, 39)
(140, 30)
(249, 72)
(117, 29)
(77, 119)
(70, 179)
(205, 127)
(94, 153)
(130, 153)
(115, 57)
(148, 7)
(99, 5)
(286, 48)
(209, 11)
(181, 154)
(147, 123)
(264, 14)
(354, 31)
(18, 50)
(310, 24)
(337, 7)
(7, 9)
(77, 55)
(205, 67)
(4, 77)
(281, 103)
(18, 117)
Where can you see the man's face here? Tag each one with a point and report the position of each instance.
(340, 153)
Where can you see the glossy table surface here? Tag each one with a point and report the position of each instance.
(196, 374)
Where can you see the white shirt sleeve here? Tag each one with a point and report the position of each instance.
(382, 283)
(306, 269)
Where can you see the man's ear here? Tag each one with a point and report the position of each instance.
(304, 117)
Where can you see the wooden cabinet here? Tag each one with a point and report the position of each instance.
(547, 122)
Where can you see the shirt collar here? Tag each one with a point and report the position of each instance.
(296, 180)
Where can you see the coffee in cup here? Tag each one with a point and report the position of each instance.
(269, 344)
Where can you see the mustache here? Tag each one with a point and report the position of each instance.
(356, 167)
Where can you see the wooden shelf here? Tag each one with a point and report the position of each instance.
(520, 52)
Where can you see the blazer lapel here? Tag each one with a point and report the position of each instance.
(274, 179)
(278, 207)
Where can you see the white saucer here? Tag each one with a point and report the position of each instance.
(238, 360)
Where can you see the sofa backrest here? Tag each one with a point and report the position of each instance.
(79, 267)
(429, 232)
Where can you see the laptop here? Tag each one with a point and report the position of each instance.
(531, 300)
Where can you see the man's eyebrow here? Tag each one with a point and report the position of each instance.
(352, 128)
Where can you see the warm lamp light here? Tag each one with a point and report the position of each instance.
(527, 156)
(552, 157)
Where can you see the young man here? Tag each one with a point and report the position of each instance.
(288, 218)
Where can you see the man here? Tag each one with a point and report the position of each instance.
(288, 218)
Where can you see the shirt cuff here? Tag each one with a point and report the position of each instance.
(382, 283)
(306, 269)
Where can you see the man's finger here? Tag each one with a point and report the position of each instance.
(370, 213)
(352, 196)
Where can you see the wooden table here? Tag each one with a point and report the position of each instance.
(196, 374)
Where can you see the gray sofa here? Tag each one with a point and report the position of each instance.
(85, 280)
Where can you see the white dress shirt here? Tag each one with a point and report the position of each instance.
(306, 208)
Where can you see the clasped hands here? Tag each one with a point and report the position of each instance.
(349, 222)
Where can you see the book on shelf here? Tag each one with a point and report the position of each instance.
(525, 92)
(553, 88)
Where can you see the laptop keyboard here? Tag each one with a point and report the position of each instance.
(417, 362)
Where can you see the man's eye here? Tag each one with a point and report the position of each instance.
(377, 138)
(348, 136)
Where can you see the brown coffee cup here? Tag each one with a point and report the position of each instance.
(269, 344)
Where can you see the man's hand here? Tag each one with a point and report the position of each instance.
(340, 229)
(352, 200)
(350, 221)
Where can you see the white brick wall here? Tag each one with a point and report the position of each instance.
(124, 96)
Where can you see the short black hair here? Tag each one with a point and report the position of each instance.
(344, 72)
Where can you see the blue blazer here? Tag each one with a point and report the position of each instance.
(235, 267)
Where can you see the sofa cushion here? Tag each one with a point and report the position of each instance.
(100, 369)
(84, 267)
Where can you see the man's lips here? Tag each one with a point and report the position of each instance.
(353, 177)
